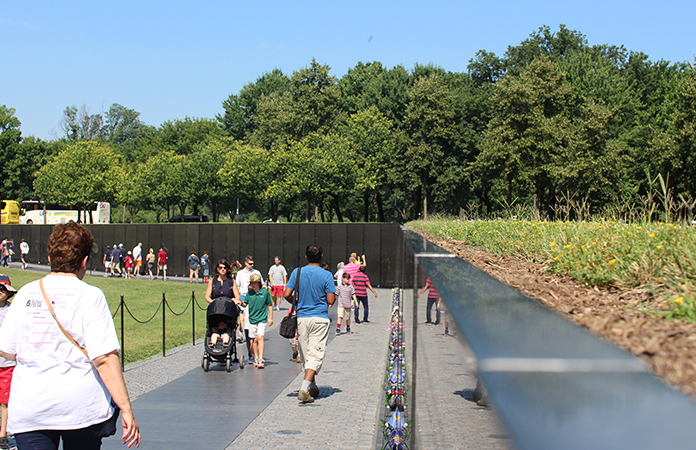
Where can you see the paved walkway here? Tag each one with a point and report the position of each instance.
(176, 403)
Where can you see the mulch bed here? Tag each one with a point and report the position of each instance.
(669, 348)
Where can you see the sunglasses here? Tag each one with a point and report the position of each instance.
(222, 267)
(251, 263)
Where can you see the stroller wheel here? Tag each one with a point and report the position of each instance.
(241, 362)
(205, 363)
(228, 364)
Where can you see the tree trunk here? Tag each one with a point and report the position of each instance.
(366, 205)
(337, 208)
(417, 204)
(216, 212)
(425, 203)
(274, 210)
(307, 209)
(380, 207)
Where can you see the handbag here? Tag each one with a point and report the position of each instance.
(108, 427)
(288, 326)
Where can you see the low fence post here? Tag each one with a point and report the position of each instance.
(123, 344)
(193, 316)
(164, 335)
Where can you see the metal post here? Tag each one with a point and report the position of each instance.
(164, 336)
(193, 316)
(123, 344)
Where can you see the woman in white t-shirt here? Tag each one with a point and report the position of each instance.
(58, 392)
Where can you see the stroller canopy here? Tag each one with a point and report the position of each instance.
(223, 306)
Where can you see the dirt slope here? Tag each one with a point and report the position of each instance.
(668, 347)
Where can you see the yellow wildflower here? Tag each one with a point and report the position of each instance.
(612, 261)
(659, 247)
(678, 300)
(552, 243)
(652, 235)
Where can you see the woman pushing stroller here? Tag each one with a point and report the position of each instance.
(223, 298)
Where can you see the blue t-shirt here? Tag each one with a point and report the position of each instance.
(315, 283)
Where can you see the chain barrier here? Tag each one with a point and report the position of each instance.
(113, 316)
(182, 312)
(124, 307)
(202, 308)
(143, 321)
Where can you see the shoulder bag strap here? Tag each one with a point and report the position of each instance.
(65, 332)
(296, 298)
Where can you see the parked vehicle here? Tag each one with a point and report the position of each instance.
(33, 211)
(10, 211)
(189, 218)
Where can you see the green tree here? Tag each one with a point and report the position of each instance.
(312, 105)
(239, 118)
(82, 173)
(124, 129)
(428, 123)
(528, 132)
(372, 142)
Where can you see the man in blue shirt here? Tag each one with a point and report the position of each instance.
(316, 292)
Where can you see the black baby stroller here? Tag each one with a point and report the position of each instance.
(222, 309)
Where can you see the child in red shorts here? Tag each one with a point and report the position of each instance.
(6, 367)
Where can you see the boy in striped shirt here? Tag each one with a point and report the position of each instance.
(361, 283)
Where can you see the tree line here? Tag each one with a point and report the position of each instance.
(553, 121)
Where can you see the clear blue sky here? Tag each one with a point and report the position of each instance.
(170, 59)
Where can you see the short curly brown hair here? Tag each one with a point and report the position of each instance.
(68, 245)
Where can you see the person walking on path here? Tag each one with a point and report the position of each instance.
(278, 277)
(138, 258)
(122, 258)
(354, 266)
(24, 253)
(6, 366)
(68, 376)
(162, 263)
(107, 260)
(194, 263)
(362, 283)
(242, 280)
(433, 299)
(129, 265)
(222, 284)
(115, 257)
(260, 310)
(205, 267)
(316, 292)
(150, 260)
(345, 293)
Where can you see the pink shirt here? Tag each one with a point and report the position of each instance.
(352, 269)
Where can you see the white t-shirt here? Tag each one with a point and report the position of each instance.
(137, 253)
(54, 385)
(24, 248)
(3, 313)
(242, 280)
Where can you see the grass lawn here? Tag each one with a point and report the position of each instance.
(142, 298)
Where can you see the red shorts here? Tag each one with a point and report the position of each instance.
(277, 290)
(5, 383)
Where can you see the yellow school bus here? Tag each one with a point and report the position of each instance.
(10, 211)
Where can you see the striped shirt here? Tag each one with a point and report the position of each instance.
(344, 294)
(360, 281)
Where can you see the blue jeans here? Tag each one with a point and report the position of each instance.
(366, 309)
(428, 309)
(82, 439)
